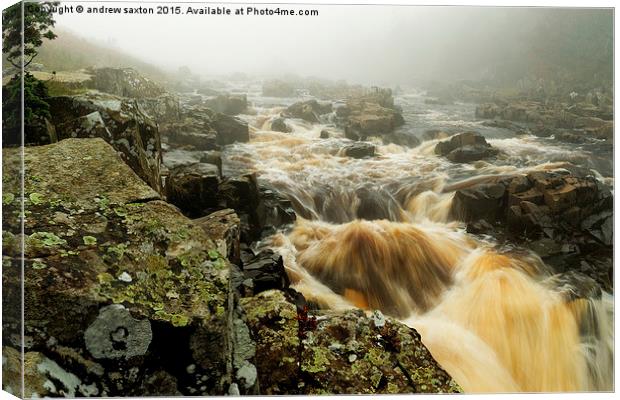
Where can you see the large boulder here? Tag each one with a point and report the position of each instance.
(465, 147)
(228, 104)
(193, 188)
(123, 295)
(125, 82)
(337, 353)
(309, 110)
(359, 150)
(204, 129)
(563, 217)
(120, 122)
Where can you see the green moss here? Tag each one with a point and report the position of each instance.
(45, 239)
(89, 240)
(7, 198)
(36, 198)
(318, 362)
(38, 265)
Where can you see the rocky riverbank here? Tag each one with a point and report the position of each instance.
(126, 295)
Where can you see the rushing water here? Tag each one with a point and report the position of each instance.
(492, 318)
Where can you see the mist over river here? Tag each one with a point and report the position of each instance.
(377, 233)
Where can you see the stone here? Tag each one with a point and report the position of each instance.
(116, 334)
(324, 134)
(125, 82)
(72, 296)
(120, 122)
(228, 104)
(279, 125)
(359, 150)
(224, 228)
(309, 110)
(193, 187)
(230, 129)
(483, 201)
(266, 270)
(315, 356)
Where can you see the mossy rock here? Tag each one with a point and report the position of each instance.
(97, 235)
(338, 353)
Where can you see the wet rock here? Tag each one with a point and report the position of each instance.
(265, 271)
(600, 226)
(434, 134)
(574, 285)
(195, 140)
(279, 125)
(93, 220)
(314, 353)
(116, 334)
(162, 109)
(230, 129)
(324, 134)
(376, 204)
(193, 188)
(468, 154)
(401, 138)
(120, 122)
(228, 104)
(359, 150)
(309, 110)
(224, 228)
(465, 147)
(480, 202)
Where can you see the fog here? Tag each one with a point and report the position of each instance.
(378, 44)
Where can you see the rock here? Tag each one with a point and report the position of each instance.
(401, 138)
(309, 110)
(194, 140)
(480, 202)
(465, 147)
(468, 154)
(369, 119)
(116, 334)
(193, 188)
(376, 204)
(230, 129)
(204, 129)
(224, 228)
(600, 226)
(125, 82)
(120, 122)
(266, 271)
(434, 134)
(277, 88)
(228, 104)
(279, 125)
(162, 109)
(87, 126)
(359, 150)
(324, 134)
(91, 218)
(314, 356)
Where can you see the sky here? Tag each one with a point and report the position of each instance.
(358, 43)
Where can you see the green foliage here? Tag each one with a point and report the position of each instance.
(37, 22)
(34, 111)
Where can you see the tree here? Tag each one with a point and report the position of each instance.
(38, 21)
